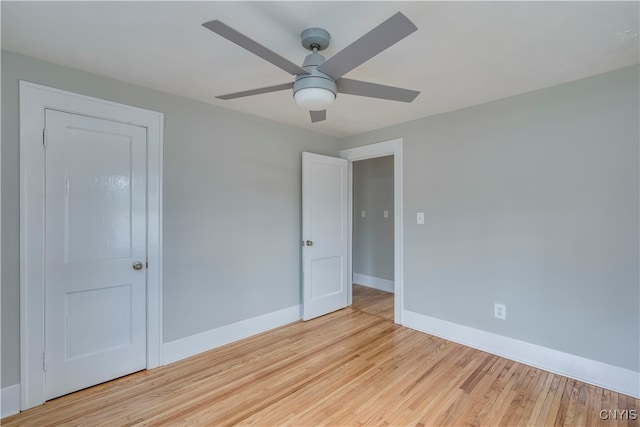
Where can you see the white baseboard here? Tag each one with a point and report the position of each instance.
(589, 371)
(373, 282)
(9, 400)
(208, 340)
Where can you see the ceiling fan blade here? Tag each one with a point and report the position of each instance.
(318, 116)
(366, 47)
(254, 47)
(267, 89)
(374, 90)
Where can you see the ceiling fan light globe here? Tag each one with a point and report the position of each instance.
(314, 98)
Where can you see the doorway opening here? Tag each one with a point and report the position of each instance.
(391, 149)
(372, 236)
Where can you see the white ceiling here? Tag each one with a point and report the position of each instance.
(463, 54)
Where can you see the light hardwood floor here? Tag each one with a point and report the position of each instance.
(349, 368)
(373, 301)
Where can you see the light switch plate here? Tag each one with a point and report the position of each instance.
(385, 214)
(362, 214)
(420, 217)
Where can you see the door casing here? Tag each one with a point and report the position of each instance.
(386, 148)
(34, 98)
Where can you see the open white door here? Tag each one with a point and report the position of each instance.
(324, 230)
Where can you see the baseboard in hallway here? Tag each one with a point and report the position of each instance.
(374, 282)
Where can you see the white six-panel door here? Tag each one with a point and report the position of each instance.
(324, 230)
(95, 232)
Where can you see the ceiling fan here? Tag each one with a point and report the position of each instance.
(318, 80)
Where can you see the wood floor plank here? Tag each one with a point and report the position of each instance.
(538, 398)
(595, 401)
(354, 367)
(373, 301)
(500, 408)
(483, 394)
(634, 407)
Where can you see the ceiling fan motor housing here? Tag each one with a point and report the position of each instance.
(315, 78)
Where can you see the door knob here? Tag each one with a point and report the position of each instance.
(308, 243)
(137, 265)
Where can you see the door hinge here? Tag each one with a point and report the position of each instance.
(44, 137)
(44, 360)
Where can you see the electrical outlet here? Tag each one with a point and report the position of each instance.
(385, 214)
(500, 311)
(363, 214)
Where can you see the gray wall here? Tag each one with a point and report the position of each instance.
(373, 234)
(530, 201)
(232, 194)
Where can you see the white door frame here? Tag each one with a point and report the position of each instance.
(34, 99)
(386, 148)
